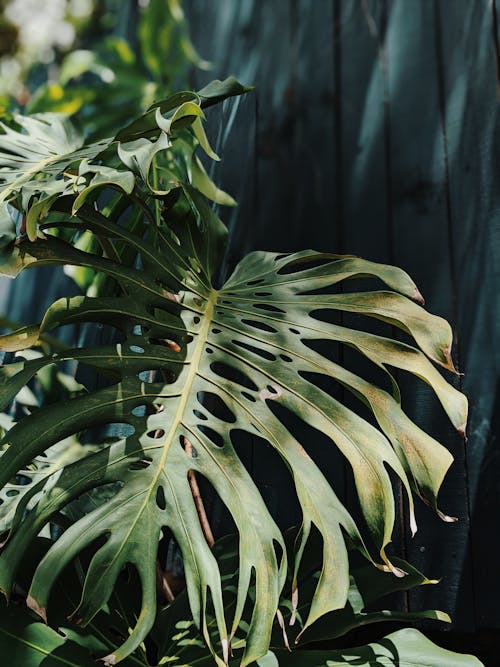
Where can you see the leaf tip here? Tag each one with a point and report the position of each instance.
(281, 622)
(295, 604)
(417, 296)
(390, 567)
(32, 604)
(462, 432)
(109, 660)
(413, 524)
(225, 650)
(446, 517)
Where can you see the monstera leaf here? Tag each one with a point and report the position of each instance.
(194, 367)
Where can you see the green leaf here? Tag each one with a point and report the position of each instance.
(33, 159)
(203, 184)
(367, 586)
(405, 648)
(20, 339)
(25, 641)
(7, 228)
(103, 176)
(216, 91)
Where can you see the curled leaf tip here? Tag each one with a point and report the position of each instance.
(416, 296)
(449, 361)
(109, 660)
(398, 572)
(446, 517)
(389, 567)
(32, 604)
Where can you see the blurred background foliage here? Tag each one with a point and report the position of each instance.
(101, 61)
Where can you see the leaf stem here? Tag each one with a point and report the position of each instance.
(198, 500)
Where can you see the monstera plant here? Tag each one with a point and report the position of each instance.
(192, 367)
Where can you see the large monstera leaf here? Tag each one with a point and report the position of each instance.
(225, 358)
(193, 368)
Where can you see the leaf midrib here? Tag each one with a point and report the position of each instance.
(192, 372)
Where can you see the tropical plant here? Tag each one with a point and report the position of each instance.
(193, 368)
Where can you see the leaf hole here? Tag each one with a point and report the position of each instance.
(263, 326)
(139, 411)
(200, 415)
(141, 464)
(256, 281)
(137, 348)
(263, 354)
(216, 406)
(156, 434)
(171, 344)
(188, 447)
(212, 435)
(269, 307)
(209, 350)
(286, 358)
(232, 374)
(23, 480)
(160, 498)
(216, 331)
(304, 264)
(147, 376)
(248, 396)
(263, 293)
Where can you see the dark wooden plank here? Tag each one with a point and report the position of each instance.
(470, 89)
(365, 219)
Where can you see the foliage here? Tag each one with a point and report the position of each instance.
(104, 86)
(196, 368)
(175, 639)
